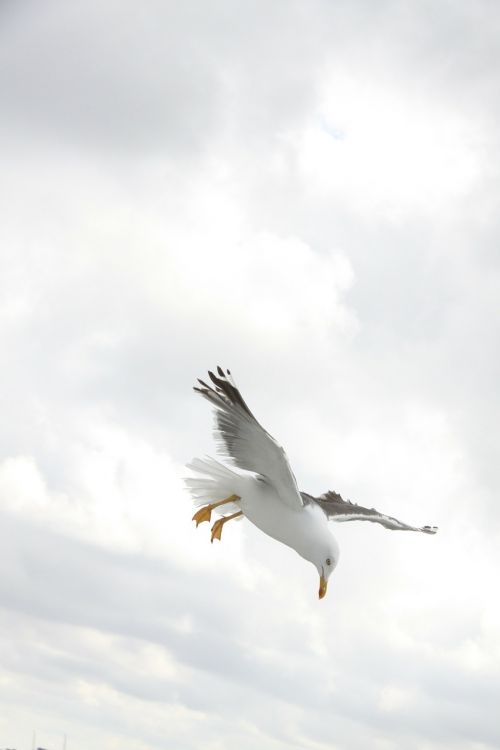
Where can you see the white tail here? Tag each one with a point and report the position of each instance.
(213, 481)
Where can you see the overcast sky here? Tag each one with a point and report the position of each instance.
(305, 192)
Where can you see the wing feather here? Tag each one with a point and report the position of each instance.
(340, 510)
(243, 441)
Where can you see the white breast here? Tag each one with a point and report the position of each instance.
(301, 529)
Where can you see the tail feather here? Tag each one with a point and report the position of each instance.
(212, 481)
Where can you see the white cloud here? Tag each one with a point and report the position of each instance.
(379, 150)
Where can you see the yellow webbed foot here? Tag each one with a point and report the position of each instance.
(217, 529)
(204, 514)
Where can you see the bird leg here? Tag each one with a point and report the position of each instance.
(217, 527)
(205, 513)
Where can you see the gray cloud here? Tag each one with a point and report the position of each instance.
(158, 77)
(140, 601)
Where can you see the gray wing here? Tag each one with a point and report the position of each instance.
(338, 509)
(244, 442)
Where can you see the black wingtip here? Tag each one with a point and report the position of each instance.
(220, 371)
(215, 380)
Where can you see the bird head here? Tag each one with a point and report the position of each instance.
(326, 559)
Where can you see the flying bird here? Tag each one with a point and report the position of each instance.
(263, 488)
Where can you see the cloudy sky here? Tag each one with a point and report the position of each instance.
(306, 192)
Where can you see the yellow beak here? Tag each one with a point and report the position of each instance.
(323, 584)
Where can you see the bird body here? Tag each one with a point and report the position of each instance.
(263, 489)
(304, 529)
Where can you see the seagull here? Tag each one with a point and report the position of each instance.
(263, 488)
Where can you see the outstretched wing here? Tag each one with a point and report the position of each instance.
(338, 509)
(242, 440)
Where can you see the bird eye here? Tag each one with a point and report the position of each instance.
(328, 561)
